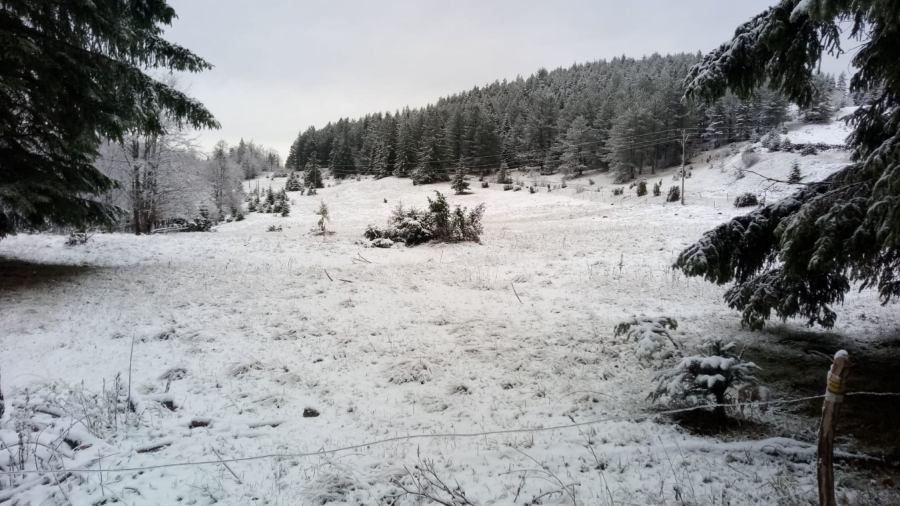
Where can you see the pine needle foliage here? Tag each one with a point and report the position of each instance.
(73, 73)
(798, 257)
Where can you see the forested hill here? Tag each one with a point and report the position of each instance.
(623, 113)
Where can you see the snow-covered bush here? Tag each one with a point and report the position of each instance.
(76, 239)
(618, 191)
(382, 242)
(772, 141)
(657, 189)
(507, 187)
(273, 228)
(642, 188)
(746, 200)
(786, 145)
(809, 149)
(705, 378)
(409, 371)
(674, 194)
(749, 157)
(439, 223)
(651, 336)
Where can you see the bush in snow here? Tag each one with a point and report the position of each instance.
(795, 176)
(749, 157)
(786, 145)
(746, 200)
(382, 242)
(202, 223)
(642, 188)
(707, 377)
(657, 189)
(273, 228)
(439, 223)
(618, 191)
(74, 239)
(772, 141)
(484, 184)
(674, 194)
(507, 187)
(809, 149)
(651, 336)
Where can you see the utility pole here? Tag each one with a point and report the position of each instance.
(684, 139)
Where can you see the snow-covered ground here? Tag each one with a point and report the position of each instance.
(244, 332)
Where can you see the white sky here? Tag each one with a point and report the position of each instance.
(282, 65)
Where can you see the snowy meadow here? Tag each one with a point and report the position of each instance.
(284, 367)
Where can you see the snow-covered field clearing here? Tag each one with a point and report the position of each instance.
(241, 334)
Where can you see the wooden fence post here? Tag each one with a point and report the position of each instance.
(834, 397)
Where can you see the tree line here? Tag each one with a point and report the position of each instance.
(624, 114)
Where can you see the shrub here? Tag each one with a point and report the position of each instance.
(382, 242)
(786, 145)
(657, 189)
(440, 223)
(642, 188)
(651, 336)
(507, 187)
(697, 378)
(202, 223)
(809, 149)
(74, 239)
(484, 184)
(618, 191)
(749, 157)
(273, 228)
(591, 181)
(746, 200)
(531, 189)
(674, 194)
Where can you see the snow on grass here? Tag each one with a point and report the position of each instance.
(424, 340)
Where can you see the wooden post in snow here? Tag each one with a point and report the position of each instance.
(834, 397)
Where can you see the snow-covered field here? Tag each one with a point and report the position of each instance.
(241, 334)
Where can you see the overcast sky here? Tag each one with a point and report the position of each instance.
(282, 65)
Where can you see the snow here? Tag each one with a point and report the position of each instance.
(244, 330)
(833, 133)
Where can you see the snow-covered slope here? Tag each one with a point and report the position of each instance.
(242, 331)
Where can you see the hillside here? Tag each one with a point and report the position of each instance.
(292, 344)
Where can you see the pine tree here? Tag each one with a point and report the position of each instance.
(431, 156)
(459, 183)
(832, 234)
(820, 108)
(577, 147)
(503, 174)
(324, 215)
(73, 75)
(795, 175)
(406, 150)
(312, 178)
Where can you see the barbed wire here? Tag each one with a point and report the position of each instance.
(433, 436)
